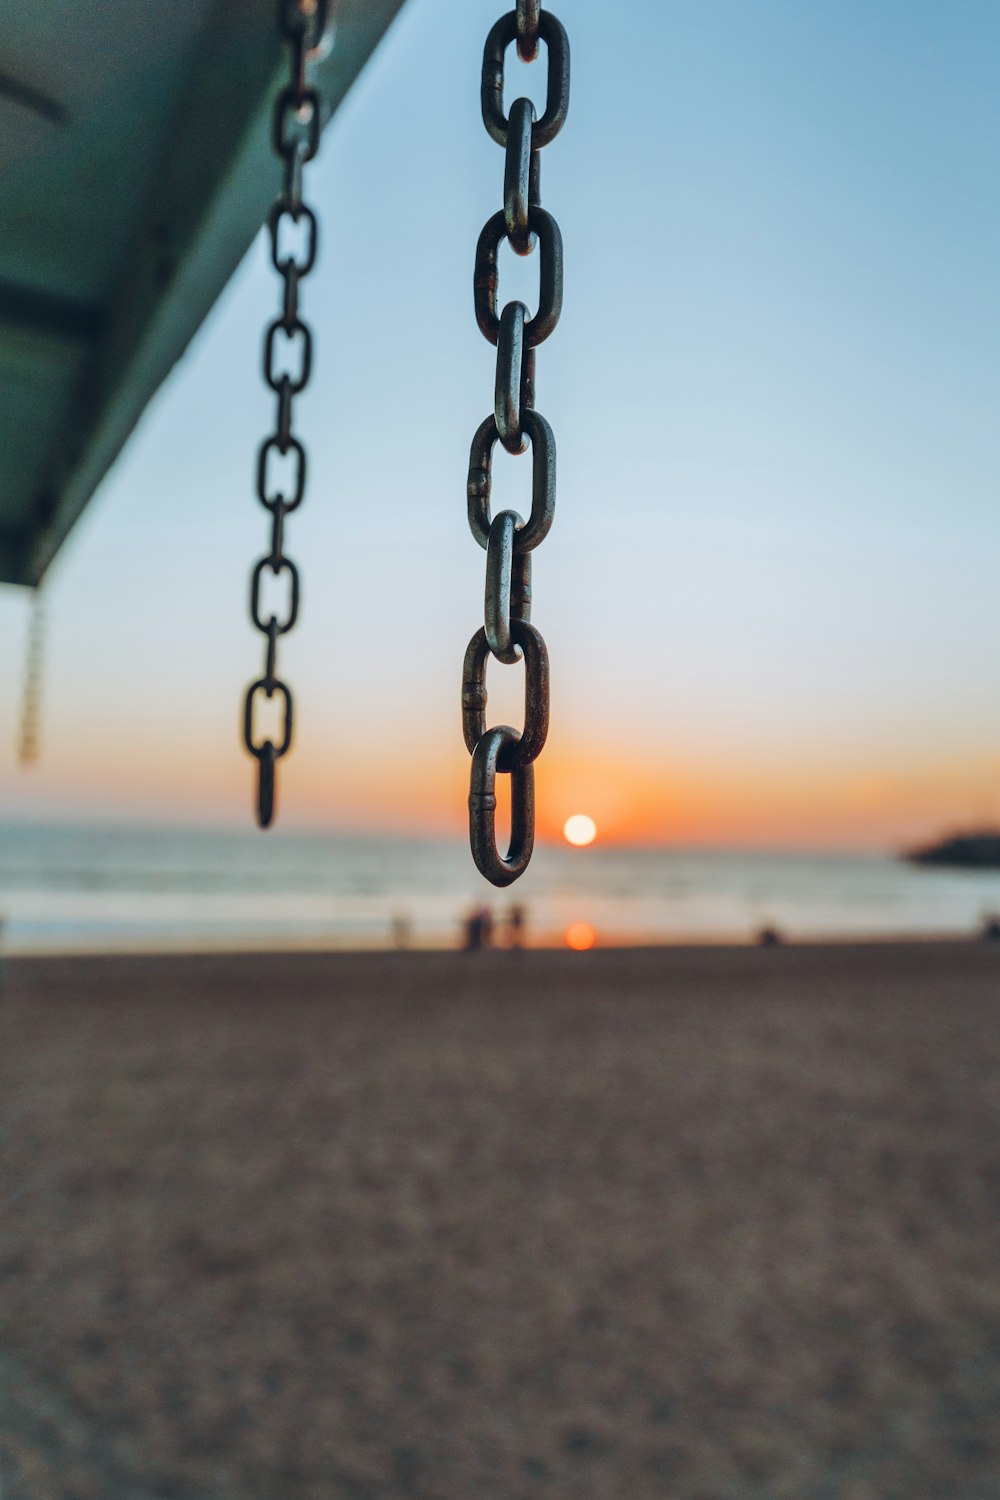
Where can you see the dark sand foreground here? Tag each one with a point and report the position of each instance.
(695, 1224)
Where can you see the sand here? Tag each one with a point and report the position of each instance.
(702, 1224)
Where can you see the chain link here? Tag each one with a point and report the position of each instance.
(296, 126)
(508, 540)
(527, 29)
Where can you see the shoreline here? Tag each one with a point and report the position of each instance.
(224, 948)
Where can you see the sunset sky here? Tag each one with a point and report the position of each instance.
(770, 594)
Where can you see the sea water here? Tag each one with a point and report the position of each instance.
(70, 888)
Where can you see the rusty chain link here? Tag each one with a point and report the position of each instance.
(507, 539)
(287, 366)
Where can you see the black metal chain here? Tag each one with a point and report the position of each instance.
(295, 133)
(507, 633)
(31, 698)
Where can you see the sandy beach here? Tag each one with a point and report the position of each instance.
(687, 1223)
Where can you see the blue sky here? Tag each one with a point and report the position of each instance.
(770, 590)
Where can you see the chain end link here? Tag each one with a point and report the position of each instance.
(265, 785)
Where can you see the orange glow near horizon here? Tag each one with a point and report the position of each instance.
(580, 936)
(877, 799)
(788, 803)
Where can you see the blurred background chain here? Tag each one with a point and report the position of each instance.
(507, 633)
(288, 341)
(29, 728)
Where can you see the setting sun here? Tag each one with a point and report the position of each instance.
(579, 830)
(580, 936)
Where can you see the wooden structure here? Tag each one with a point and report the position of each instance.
(136, 163)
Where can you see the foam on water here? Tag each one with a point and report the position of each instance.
(66, 888)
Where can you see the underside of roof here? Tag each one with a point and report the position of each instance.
(136, 162)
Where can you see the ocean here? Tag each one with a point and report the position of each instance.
(73, 888)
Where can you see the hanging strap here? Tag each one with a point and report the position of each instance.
(29, 727)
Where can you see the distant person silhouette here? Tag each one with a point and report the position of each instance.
(478, 929)
(516, 919)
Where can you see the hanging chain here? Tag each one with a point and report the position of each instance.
(31, 697)
(508, 540)
(295, 134)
